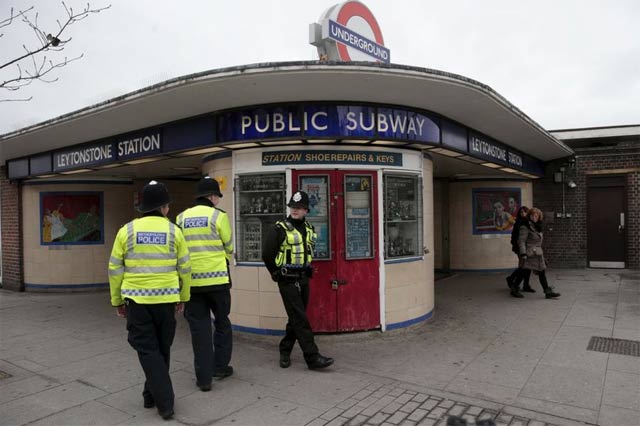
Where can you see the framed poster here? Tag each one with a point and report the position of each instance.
(70, 218)
(495, 210)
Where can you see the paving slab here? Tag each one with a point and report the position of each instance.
(483, 354)
(87, 414)
(40, 405)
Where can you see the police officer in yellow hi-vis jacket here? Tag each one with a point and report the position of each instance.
(287, 253)
(150, 277)
(208, 233)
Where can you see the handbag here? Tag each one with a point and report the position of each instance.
(534, 251)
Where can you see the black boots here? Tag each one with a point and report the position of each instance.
(550, 294)
(319, 362)
(223, 372)
(514, 288)
(285, 360)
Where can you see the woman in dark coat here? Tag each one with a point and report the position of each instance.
(520, 274)
(530, 249)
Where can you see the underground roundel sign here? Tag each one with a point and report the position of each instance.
(349, 32)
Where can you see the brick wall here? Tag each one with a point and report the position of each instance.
(11, 229)
(566, 238)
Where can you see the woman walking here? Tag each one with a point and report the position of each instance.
(520, 275)
(530, 246)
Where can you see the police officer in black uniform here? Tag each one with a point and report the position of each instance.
(288, 237)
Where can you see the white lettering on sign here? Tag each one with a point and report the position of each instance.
(395, 123)
(151, 238)
(292, 157)
(482, 147)
(148, 143)
(279, 122)
(196, 222)
(83, 156)
(515, 159)
(344, 34)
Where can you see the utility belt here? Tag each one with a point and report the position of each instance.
(293, 274)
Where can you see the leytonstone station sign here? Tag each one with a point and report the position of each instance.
(349, 32)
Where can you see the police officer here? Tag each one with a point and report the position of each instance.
(149, 277)
(287, 254)
(208, 234)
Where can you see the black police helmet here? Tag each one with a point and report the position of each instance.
(154, 196)
(208, 186)
(299, 200)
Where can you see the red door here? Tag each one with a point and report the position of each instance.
(344, 212)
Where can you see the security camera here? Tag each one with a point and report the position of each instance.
(572, 184)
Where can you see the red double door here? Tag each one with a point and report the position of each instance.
(345, 285)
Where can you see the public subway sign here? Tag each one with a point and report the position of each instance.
(328, 121)
(349, 32)
(127, 147)
(379, 158)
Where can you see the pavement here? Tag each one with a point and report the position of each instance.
(64, 360)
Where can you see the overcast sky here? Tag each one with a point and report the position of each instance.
(565, 63)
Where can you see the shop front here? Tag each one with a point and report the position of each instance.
(421, 173)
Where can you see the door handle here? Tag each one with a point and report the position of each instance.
(335, 283)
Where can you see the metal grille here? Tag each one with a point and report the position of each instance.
(4, 375)
(614, 346)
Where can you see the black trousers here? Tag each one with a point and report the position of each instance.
(521, 275)
(151, 332)
(295, 296)
(198, 313)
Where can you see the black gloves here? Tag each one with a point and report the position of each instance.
(309, 272)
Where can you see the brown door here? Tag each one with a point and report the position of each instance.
(606, 222)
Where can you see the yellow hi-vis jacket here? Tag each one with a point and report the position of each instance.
(292, 254)
(208, 234)
(150, 263)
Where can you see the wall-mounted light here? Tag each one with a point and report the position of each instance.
(572, 184)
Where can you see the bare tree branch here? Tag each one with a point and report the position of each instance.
(41, 65)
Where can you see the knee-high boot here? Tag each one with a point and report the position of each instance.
(548, 290)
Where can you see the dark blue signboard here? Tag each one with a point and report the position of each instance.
(294, 122)
(344, 35)
(454, 136)
(262, 123)
(40, 164)
(340, 121)
(406, 125)
(18, 168)
(139, 144)
(327, 121)
(488, 149)
(189, 134)
(84, 156)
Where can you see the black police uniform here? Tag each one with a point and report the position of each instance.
(152, 327)
(210, 361)
(294, 290)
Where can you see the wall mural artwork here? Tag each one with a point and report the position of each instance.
(495, 210)
(69, 218)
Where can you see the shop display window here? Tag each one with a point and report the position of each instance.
(260, 202)
(317, 186)
(402, 216)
